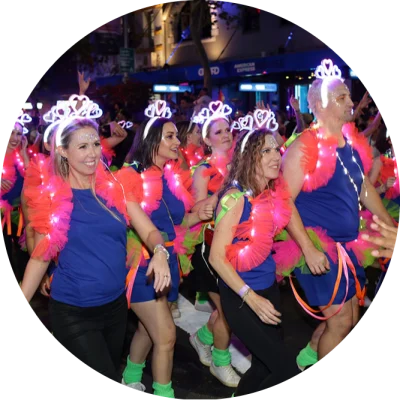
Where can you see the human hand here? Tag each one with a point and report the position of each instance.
(45, 286)
(205, 212)
(316, 261)
(294, 103)
(365, 101)
(83, 85)
(390, 182)
(263, 308)
(117, 130)
(159, 268)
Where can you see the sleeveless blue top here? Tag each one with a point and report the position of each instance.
(262, 276)
(91, 268)
(334, 207)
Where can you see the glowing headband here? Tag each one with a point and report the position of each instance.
(125, 124)
(64, 112)
(22, 120)
(215, 110)
(155, 110)
(327, 72)
(262, 119)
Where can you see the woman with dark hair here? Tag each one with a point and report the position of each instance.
(79, 214)
(167, 202)
(254, 206)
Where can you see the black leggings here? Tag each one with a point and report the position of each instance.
(270, 363)
(95, 335)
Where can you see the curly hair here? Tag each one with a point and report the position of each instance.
(243, 166)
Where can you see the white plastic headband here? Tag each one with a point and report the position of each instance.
(22, 120)
(215, 110)
(63, 113)
(262, 119)
(155, 110)
(327, 72)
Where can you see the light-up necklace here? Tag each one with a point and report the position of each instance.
(346, 171)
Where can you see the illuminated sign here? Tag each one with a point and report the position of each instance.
(258, 87)
(170, 88)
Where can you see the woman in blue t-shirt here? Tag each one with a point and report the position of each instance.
(79, 213)
(254, 206)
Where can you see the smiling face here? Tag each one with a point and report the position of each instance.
(83, 152)
(15, 138)
(169, 144)
(270, 161)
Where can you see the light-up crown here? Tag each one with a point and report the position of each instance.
(261, 119)
(125, 124)
(65, 111)
(155, 110)
(215, 110)
(22, 120)
(327, 70)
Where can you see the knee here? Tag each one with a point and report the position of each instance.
(341, 325)
(167, 338)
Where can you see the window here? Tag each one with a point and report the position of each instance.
(251, 19)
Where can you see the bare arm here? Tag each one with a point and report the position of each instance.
(143, 225)
(375, 170)
(200, 190)
(300, 124)
(34, 273)
(371, 129)
(118, 134)
(223, 236)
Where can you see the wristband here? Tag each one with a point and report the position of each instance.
(243, 291)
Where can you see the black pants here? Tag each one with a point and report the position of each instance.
(18, 258)
(271, 363)
(95, 335)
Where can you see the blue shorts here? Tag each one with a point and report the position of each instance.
(318, 289)
(143, 288)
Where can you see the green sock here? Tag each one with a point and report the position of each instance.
(221, 358)
(202, 297)
(133, 372)
(163, 390)
(205, 336)
(307, 356)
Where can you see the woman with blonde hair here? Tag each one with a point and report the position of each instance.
(79, 213)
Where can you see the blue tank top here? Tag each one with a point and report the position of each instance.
(334, 207)
(91, 268)
(14, 195)
(263, 276)
(170, 209)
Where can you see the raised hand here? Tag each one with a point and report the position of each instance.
(83, 85)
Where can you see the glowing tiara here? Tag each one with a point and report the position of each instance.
(155, 110)
(61, 114)
(22, 120)
(262, 119)
(327, 72)
(215, 110)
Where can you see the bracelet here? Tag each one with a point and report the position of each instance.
(160, 247)
(243, 290)
(244, 296)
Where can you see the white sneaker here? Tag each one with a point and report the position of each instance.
(175, 311)
(135, 385)
(203, 350)
(226, 375)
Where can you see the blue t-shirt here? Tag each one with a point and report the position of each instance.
(262, 276)
(334, 207)
(91, 268)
